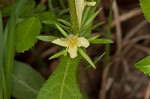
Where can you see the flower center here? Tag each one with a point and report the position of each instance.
(72, 41)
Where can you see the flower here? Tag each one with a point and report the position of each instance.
(80, 5)
(72, 43)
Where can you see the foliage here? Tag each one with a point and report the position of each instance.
(26, 82)
(62, 83)
(144, 64)
(27, 21)
(145, 8)
(27, 31)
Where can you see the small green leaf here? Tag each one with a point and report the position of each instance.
(97, 60)
(144, 65)
(92, 17)
(88, 27)
(48, 18)
(27, 31)
(145, 5)
(86, 57)
(101, 41)
(64, 52)
(26, 82)
(93, 38)
(28, 9)
(61, 30)
(47, 38)
(64, 22)
(89, 11)
(40, 7)
(63, 82)
(97, 25)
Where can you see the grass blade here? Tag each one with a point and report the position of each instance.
(19, 7)
(3, 89)
(9, 51)
(1, 55)
(107, 47)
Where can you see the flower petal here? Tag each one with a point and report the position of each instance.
(90, 3)
(60, 42)
(83, 42)
(80, 5)
(72, 51)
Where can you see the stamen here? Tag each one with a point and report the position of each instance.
(72, 41)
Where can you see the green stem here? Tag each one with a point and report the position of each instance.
(108, 34)
(73, 16)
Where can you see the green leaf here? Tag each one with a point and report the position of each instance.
(93, 38)
(26, 82)
(101, 41)
(53, 5)
(27, 31)
(63, 83)
(19, 4)
(64, 22)
(95, 61)
(9, 49)
(87, 14)
(145, 5)
(144, 65)
(1, 57)
(97, 25)
(89, 21)
(89, 11)
(48, 18)
(40, 7)
(47, 38)
(61, 30)
(86, 57)
(28, 9)
(64, 52)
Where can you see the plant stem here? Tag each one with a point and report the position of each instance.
(108, 34)
(73, 16)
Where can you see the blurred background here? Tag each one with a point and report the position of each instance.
(113, 79)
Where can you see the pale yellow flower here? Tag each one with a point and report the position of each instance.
(72, 43)
(80, 5)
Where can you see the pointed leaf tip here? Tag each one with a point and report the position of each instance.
(87, 58)
(144, 65)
